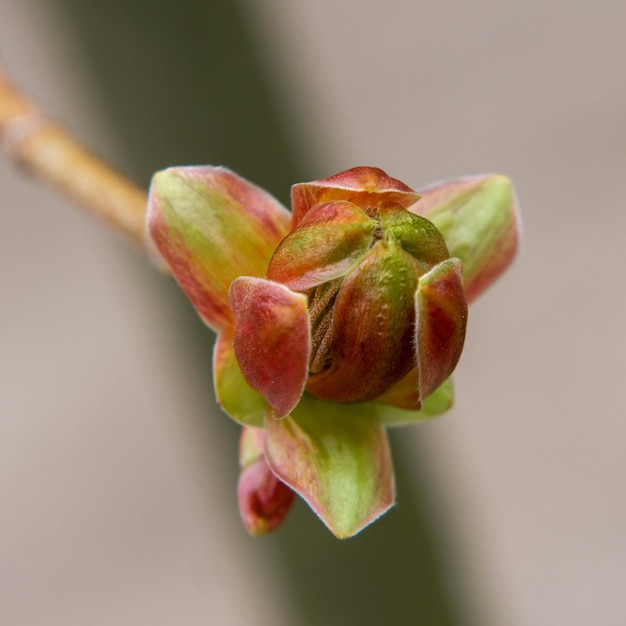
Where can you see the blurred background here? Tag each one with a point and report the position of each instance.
(117, 470)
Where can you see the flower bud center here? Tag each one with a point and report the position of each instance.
(374, 213)
(321, 304)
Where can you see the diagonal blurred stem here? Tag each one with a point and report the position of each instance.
(54, 155)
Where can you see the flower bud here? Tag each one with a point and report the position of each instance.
(360, 268)
(264, 500)
(383, 299)
(352, 296)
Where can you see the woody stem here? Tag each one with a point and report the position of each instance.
(52, 154)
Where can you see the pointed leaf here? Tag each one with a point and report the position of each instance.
(437, 403)
(212, 226)
(272, 340)
(479, 219)
(337, 458)
(441, 319)
(365, 186)
(233, 393)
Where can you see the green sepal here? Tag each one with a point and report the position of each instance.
(337, 458)
(234, 395)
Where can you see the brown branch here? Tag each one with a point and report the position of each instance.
(52, 154)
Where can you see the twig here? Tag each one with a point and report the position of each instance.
(52, 154)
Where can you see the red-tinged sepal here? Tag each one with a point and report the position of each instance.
(212, 226)
(272, 340)
(264, 500)
(441, 319)
(335, 457)
(480, 221)
(365, 186)
(330, 240)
